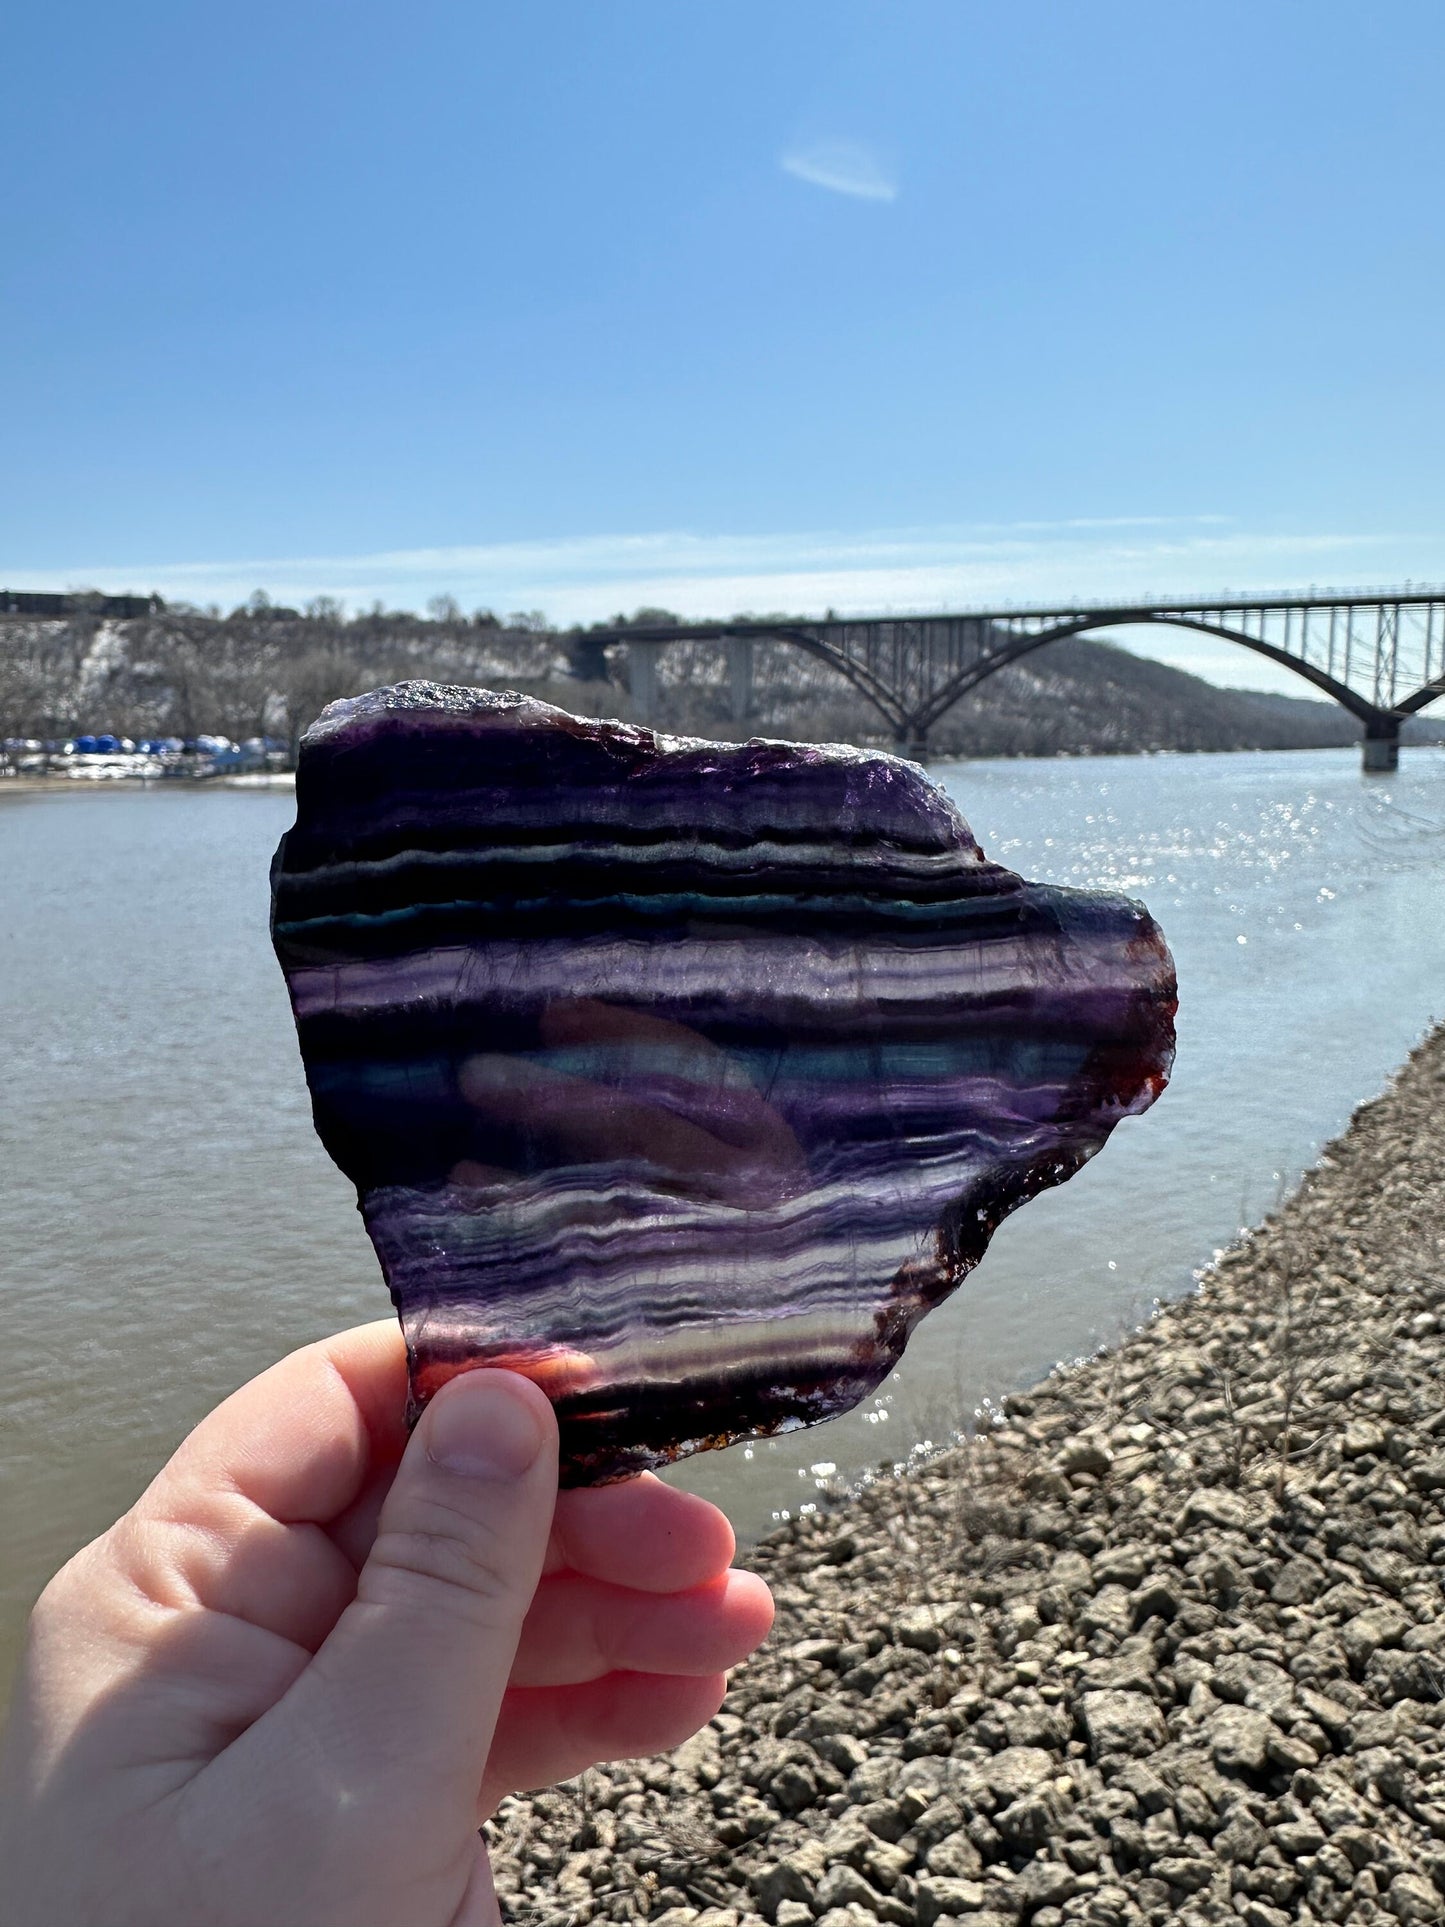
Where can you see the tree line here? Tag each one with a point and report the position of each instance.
(263, 670)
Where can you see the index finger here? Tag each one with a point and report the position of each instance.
(641, 1534)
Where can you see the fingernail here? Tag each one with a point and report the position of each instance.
(484, 1425)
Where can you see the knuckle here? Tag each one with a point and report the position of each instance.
(441, 1549)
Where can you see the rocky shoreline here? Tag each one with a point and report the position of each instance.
(1165, 1641)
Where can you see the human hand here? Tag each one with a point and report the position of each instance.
(285, 1688)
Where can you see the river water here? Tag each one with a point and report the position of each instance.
(170, 1224)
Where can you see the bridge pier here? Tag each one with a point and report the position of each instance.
(1381, 745)
(740, 676)
(642, 679)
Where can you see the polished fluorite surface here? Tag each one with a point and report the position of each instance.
(684, 1077)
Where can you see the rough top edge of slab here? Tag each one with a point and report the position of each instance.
(466, 704)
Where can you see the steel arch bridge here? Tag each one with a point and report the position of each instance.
(1378, 653)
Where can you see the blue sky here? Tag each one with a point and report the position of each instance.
(580, 306)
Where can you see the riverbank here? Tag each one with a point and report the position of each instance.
(1164, 1643)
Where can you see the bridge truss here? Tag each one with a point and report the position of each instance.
(1379, 654)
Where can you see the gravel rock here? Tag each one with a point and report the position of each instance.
(1411, 1898)
(955, 1857)
(1017, 1770)
(923, 1627)
(937, 1898)
(1044, 1883)
(1116, 1722)
(784, 1881)
(842, 1886)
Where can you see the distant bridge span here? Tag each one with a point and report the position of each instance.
(1378, 653)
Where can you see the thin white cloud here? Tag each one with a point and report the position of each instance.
(875, 571)
(843, 167)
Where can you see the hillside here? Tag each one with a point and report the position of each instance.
(268, 671)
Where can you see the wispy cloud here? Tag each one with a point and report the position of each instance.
(843, 167)
(881, 570)
(588, 578)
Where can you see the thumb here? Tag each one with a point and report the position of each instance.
(415, 1668)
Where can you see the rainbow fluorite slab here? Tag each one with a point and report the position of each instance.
(684, 1077)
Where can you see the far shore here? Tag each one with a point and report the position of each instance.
(64, 785)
